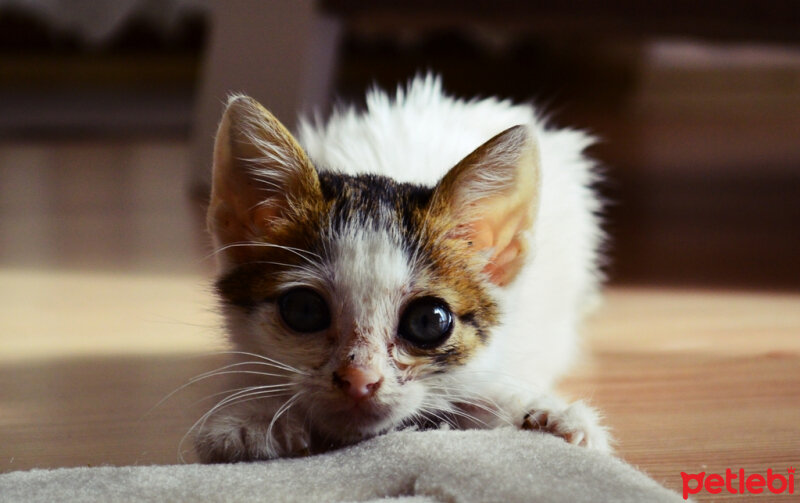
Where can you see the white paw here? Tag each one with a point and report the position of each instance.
(576, 423)
(231, 439)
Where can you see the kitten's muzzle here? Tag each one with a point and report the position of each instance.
(358, 383)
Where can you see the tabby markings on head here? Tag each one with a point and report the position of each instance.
(377, 208)
(369, 246)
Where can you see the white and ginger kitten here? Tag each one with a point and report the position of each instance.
(423, 263)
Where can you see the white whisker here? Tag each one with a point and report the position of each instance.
(251, 372)
(261, 357)
(303, 254)
(245, 395)
(212, 373)
(286, 406)
(233, 390)
(428, 409)
(239, 364)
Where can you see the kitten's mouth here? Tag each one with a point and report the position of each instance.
(358, 418)
(348, 425)
(365, 410)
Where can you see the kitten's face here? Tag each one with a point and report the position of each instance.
(373, 290)
(365, 289)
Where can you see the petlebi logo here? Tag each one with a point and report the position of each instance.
(738, 482)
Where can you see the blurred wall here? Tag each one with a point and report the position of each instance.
(696, 105)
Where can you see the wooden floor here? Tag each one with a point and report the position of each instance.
(694, 381)
(105, 308)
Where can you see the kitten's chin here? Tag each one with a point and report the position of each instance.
(348, 421)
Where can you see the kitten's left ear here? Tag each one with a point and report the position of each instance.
(491, 198)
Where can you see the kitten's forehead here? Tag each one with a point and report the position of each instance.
(372, 236)
(374, 202)
(370, 274)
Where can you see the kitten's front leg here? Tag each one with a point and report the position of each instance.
(242, 433)
(575, 422)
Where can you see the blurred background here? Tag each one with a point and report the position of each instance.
(107, 115)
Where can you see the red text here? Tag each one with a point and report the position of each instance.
(738, 483)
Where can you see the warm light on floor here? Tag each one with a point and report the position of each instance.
(50, 314)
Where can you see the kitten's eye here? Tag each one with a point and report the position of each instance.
(426, 322)
(304, 310)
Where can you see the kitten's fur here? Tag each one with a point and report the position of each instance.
(420, 195)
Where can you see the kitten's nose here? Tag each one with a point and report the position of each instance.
(358, 382)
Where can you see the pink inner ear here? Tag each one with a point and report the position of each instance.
(500, 230)
(506, 259)
(478, 234)
(504, 266)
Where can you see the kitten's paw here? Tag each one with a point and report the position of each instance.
(232, 439)
(576, 423)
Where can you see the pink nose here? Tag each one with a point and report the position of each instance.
(358, 382)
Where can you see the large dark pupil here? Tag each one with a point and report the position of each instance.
(426, 322)
(304, 310)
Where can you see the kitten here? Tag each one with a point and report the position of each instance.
(423, 263)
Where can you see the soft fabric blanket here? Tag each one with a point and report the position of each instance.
(504, 465)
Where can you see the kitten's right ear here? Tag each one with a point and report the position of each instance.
(261, 174)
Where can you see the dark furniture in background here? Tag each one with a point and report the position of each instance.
(696, 104)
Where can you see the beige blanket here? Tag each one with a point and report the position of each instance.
(504, 465)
